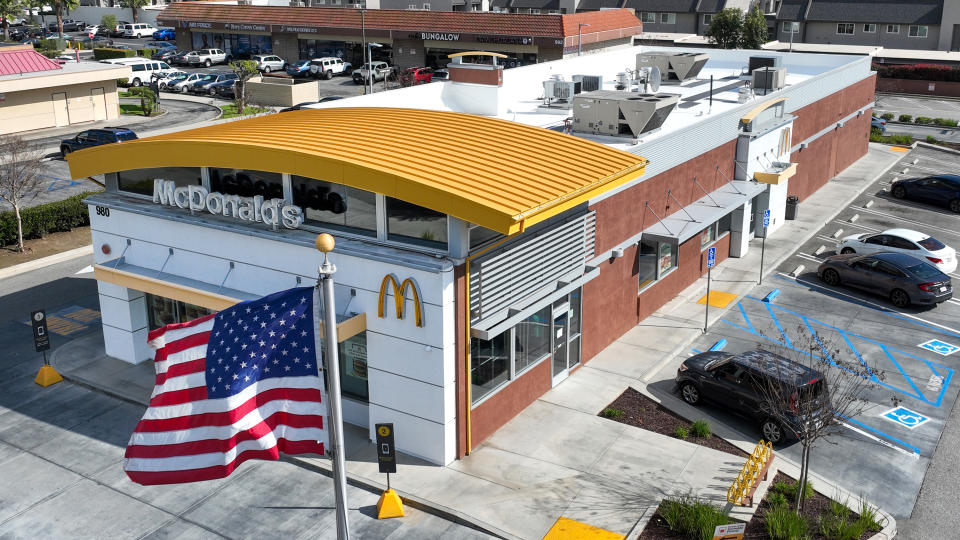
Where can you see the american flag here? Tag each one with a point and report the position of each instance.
(231, 386)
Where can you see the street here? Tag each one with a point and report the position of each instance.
(61, 451)
(915, 106)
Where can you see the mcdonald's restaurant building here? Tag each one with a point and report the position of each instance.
(481, 259)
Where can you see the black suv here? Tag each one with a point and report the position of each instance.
(96, 137)
(737, 382)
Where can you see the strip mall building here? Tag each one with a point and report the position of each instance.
(488, 244)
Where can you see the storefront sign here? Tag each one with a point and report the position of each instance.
(439, 36)
(246, 27)
(386, 452)
(505, 40)
(196, 198)
(196, 24)
(399, 297)
(299, 29)
(41, 340)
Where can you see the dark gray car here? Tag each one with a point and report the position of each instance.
(901, 278)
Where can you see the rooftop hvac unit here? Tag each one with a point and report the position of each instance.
(620, 114)
(674, 66)
(766, 60)
(769, 79)
(589, 83)
(557, 90)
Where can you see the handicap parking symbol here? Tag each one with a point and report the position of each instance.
(905, 417)
(940, 347)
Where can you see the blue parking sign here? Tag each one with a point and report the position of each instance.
(711, 257)
(905, 417)
(766, 218)
(940, 347)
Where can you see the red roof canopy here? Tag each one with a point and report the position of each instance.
(24, 60)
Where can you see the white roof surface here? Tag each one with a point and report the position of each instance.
(522, 90)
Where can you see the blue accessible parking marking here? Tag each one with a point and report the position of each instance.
(905, 417)
(940, 347)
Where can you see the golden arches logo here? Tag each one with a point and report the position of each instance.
(399, 297)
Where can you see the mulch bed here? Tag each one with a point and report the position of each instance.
(656, 528)
(643, 412)
(50, 244)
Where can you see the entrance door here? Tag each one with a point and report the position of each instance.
(60, 112)
(559, 341)
(99, 104)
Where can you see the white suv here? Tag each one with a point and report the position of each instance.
(328, 66)
(268, 62)
(207, 57)
(138, 30)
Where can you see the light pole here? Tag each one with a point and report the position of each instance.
(325, 244)
(363, 37)
(580, 36)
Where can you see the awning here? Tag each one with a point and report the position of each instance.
(689, 221)
(199, 293)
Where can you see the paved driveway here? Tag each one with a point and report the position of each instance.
(914, 352)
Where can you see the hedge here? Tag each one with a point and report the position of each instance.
(925, 72)
(146, 52)
(46, 218)
(106, 52)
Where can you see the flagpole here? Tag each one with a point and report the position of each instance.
(325, 244)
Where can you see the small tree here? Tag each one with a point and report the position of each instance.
(109, 20)
(726, 28)
(836, 393)
(134, 5)
(245, 69)
(755, 31)
(19, 176)
(9, 9)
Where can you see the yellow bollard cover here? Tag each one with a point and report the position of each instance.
(389, 505)
(47, 376)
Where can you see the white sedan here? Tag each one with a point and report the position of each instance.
(913, 243)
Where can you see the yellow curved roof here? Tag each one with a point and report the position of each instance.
(498, 174)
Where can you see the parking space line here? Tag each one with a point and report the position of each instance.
(900, 369)
(786, 340)
(920, 223)
(864, 227)
(915, 453)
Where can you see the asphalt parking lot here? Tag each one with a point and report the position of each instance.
(913, 353)
(915, 106)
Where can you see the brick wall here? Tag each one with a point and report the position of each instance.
(490, 415)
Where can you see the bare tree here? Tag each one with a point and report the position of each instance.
(817, 386)
(19, 175)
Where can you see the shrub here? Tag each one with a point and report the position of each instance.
(109, 20)
(926, 72)
(838, 528)
(789, 489)
(610, 412)
(932, 140)
(45, 218)
(923, 120)
(146, 52)
(691, 517)
(887, 116)
(839, 509)
(784, 524)
(905, 118)
(123, 82)
(681, 432)
(945, 122)
(870, 517)
(700, 428)
(104, 53)
(777, 499)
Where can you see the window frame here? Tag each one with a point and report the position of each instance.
(845, 25)
(895, 27)
(787, 27)
(668, 18)
(867, 26)
(926, 31)
(652, 16)
(659, 273)
(707, 18)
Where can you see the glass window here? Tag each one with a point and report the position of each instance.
(163, 311)
(247, 183)
(870, 28)
(353, 367)
(415, 224)
(893, 28)
(648, 17)
(707, 236)
(668, 258)
(647, 263)
(324, 203)
(532, 339)
(140, 181)
(489, 365)
(790, 27)
(845, 28)
(575, 308)
(481, 235)
(918, 31)
(723, 226)
(320, 48)
(668, 18)
(931, 244)
(707, 18)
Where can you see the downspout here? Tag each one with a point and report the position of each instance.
(466, 326)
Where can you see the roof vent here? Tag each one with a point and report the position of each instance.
(558, 93)
(769, 79)
(589, 83)
(620, 114)
(676, 67)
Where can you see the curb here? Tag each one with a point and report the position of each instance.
(46, 261)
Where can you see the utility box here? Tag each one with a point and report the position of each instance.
(620, 114)
(765, 60)
(589, 83)
(769, 78)
(674, 66)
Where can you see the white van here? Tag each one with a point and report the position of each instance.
(138, 30)
(142, 68)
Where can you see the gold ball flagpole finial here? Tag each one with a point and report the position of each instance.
(325, 243)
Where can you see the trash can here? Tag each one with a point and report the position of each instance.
(792, 202)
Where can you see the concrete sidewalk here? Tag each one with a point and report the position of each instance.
(558, 458)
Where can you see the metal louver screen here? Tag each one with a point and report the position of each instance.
(515, 276)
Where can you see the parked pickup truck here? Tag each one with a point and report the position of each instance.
(379, 72)
(206, 57)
